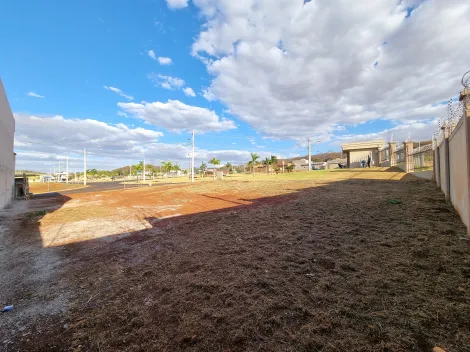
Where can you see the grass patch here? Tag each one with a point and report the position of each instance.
(394, 201)
(35, 214)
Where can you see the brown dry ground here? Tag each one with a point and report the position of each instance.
(323, 264)
(44, 187)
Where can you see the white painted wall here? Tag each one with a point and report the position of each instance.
(458, 172)
(7, 157)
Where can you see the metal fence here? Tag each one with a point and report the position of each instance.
(423, 157)
(384, 154)
(400, 155)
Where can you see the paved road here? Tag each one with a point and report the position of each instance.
(97, 187)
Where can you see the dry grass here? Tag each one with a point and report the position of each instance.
(44, 187)
(285, 265)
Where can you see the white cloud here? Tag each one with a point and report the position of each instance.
(121, 113)
(209, 96)
(177, 117)
(40, 139)
(292, 69)
(189, 92)
(41, 142)
(177, 4)
(167, 82)
(120, 92)
(152, 54)
(416, 130)
(164, 60)
(34, 95)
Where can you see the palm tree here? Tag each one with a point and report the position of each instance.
(229, 167)
(290, 168)
(273, 159)
(267, 162)
(214, 162)
(203, 168)
(167, 166)
(253, 162)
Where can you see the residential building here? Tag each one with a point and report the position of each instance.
(359, 151)
(7, 156)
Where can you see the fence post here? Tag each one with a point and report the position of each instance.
(392, 148)
(465, 97)
(445, 145)
(408, 156)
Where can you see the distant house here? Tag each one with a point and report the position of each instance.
(359, 151)
(300, 164)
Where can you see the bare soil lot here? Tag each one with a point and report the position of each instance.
(348, 261)
(44, 187)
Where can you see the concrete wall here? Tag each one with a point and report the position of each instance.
(442, 167)
(458, 154)
(427, 175)
(355, 157)
(452, 167)
(7, 158)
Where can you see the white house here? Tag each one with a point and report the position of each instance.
(7, 156)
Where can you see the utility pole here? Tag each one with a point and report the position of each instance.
(84, 167)
(192, 160)
(144, 168)
(309, 155)
(67, 168)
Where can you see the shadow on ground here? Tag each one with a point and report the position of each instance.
(338, 267)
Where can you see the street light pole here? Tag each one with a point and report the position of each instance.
(309, 155)
(192, 160)
(67, 168)
(84, 167)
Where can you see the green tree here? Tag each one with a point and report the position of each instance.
(290, 168)
(253, 162)
(167, 166)
(203, 168)
(229, 167)
(267, 162)
(139, 166)
(273, 160)
(214, 162)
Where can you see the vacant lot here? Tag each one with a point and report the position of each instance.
(44, 187)
(335, 261)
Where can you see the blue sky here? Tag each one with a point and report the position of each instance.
(252, 97)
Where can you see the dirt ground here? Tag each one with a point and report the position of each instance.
(345, 261)
(44, 187)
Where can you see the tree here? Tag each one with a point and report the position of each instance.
(229, 167)
(203, 168)
(290, 168)
(214, 162)
(267, 162)
(139, 166)
(253, 162)
(167, 166)
(176, 168)
(273, 160)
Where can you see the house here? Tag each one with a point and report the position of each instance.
(7, 156)
(358, 151)
(300, 164)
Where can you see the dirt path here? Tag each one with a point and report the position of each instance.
(354, 265)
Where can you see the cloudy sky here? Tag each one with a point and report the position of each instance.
(131, 78)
